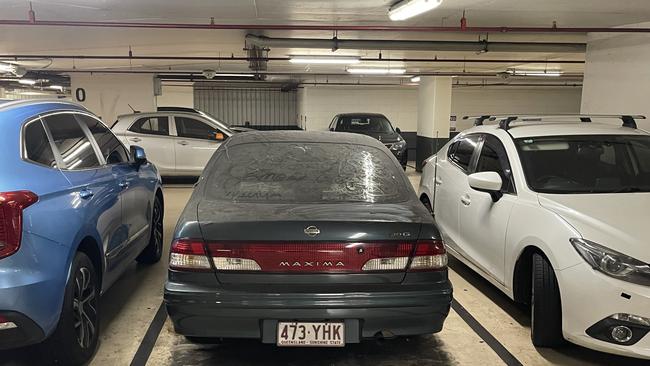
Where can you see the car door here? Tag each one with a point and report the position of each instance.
(483, 222)
(451, 182)
(152, 133)
(135, 194)
(195, 143)
(94, 188)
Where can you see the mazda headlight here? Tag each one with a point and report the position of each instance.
(399, 145)
(613, 263)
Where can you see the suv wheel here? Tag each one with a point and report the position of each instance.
(153, 252)
(546, 309)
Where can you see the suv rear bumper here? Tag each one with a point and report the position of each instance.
(235, 314)
(23, 331)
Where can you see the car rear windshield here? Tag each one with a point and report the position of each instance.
(286, 172)
(365, 124)
(586, 164)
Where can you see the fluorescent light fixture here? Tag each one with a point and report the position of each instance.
(7, 67)
(377, 71)
(27, 81)
(416, 79)
(536, 73)
(336, 60)
(33, 93)
(409, 8)
(56, 87)
(235, 75)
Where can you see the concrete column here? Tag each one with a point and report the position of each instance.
(617, 77)
(434, 111)
(109, 95)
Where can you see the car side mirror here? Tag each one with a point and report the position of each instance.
(398, 130)
(488, 182)
(139, 156)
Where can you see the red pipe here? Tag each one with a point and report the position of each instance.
(385, 28)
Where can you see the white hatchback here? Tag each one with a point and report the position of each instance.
(179, 142)
(556, 214)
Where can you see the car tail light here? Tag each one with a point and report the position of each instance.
(310, 257)
(189, 255)
(12, 205)
(429, 255)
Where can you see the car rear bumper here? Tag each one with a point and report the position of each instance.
(17, 330)
(234, 314)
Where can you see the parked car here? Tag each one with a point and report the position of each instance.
(76, 207)
(555, 215)
(374, 125)
(179, 141)
(306, 239)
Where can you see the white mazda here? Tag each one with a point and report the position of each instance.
(555, 212)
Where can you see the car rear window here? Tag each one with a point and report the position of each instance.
(285, 172)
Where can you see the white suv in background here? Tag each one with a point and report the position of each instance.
(557, 215)
(179, 141)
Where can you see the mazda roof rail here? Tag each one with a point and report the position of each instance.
(506, 119)
(178, 109)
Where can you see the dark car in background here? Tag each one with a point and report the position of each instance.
(306, 239)
(373, 125)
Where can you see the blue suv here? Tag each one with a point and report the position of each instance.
(76, 208)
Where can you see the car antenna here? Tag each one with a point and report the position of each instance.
(134, 111)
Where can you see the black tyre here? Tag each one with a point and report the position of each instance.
(203, 340)
(425, 201)
(153, 252)
(75, 339)
(546, 309)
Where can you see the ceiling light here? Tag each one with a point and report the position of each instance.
(235, 75)
(33, 93)
(7, 67)
(416, 79)
(376, 71)
(338, 60)
(56, 87)
(27, 81)
(409, 8)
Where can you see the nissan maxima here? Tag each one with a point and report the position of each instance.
(306, 239)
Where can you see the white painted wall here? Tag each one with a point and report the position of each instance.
(617, 76)
(319, 104)
(109, 95)
(434, 107)
(176, 96)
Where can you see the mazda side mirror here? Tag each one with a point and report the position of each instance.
(488, 182)
(139, 156)
(398, 130)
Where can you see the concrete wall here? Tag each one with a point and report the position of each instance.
(319, 104)
(617, 76)
(109, 95)
(176, 96)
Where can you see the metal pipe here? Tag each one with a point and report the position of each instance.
(358, 28)
(462, 46)
(271, 59)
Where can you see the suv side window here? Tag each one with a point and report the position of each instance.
(71, 141)
(464, 151)
(111, 148)
(493, 158)
(194, 129)
(37, 145)
(151, 126)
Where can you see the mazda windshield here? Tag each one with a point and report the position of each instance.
(586, 164)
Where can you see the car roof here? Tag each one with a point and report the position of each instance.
(559, 128)
(303, 136)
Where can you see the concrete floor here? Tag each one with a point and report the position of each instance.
(129, 307)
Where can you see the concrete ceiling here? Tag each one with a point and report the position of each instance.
(148, 42)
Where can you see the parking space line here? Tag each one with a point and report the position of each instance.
(491, 341)
(149, 340)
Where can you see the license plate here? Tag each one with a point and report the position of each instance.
(299, 334)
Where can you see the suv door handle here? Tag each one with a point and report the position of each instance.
(438, 181)
(135, 139)
(86, 193)
(184, 143)
(124, 184)
(465, 200)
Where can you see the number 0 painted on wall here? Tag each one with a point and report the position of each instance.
(80, 94)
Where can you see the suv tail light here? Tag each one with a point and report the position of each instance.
(12, 205)
(429, 255)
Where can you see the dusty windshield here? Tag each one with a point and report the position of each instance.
(586, 164)
(305, 173)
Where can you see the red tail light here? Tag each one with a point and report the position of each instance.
(189, 255)
(12, 205)
(429, 255)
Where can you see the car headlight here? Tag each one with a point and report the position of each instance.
(399, 145)
(613, 263)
